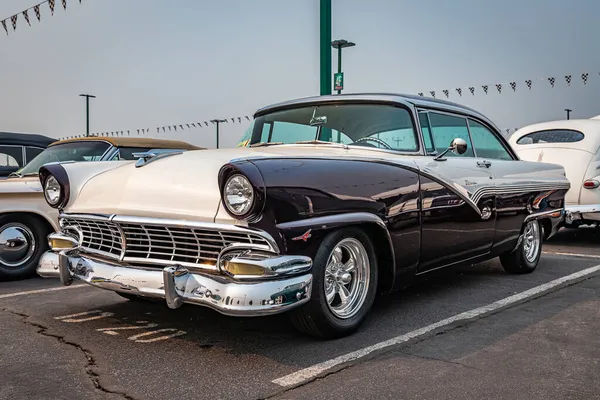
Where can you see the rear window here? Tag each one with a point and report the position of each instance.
(552, 136)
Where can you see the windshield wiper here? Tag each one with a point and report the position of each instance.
(14, 175)
(263, 144)
(321, 142)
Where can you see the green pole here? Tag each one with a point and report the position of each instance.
(325, 43)
(339, 64)
(325, 59)
(217, 134)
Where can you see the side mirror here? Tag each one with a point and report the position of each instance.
(457, 146)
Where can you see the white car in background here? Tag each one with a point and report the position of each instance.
(574, 144)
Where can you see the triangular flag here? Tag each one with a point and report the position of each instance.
(26, 17)
(64, 4)
(4, 26)
(13, 19)
(36, 9)
(51, 5)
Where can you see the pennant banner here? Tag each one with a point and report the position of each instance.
(171, 128)
(25, 13)
(551, 82)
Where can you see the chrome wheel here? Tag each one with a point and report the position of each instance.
(347, 278)
(17, 244)
(531, 241)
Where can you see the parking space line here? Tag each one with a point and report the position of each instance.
(572, 254)
(55, 289)
(316, 370)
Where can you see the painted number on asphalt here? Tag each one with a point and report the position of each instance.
(144, 337)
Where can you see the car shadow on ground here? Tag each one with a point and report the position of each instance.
(275, 338)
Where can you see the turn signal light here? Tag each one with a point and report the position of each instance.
(235, 268)
(61, 243)
(591, 184)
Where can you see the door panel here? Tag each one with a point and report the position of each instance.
(458, 218)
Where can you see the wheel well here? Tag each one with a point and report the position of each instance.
(43, 221)
(547, 226)
(384, 254)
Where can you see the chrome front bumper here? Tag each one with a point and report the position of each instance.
(574, 213)
(177, 285)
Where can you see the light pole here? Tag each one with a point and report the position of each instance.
(217, 122)
(568, 110)
(339, 77)
(87, 112)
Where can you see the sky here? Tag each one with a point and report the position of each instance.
(169, 62)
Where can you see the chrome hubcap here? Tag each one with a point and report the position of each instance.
(531, 240)
(17, 244)
(347, 278)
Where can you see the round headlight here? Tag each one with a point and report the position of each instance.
(238, 195)
(52, 191)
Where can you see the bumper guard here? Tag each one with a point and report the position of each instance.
(178, 285)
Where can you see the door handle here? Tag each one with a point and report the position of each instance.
(484, 163)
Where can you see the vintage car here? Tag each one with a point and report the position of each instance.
(328, 201)
(574, 144)
(26, 219)
(17, 149)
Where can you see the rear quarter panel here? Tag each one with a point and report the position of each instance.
(574, 161)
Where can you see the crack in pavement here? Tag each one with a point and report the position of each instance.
(91, 362)
(440, 360)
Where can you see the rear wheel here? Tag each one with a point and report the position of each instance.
(526, 256)
(344, 286)
(22, 243)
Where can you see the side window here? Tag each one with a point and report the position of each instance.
(32, 152)
(445, 128)
(11, 156)
(427, 138)
(486, 143)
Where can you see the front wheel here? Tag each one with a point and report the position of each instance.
(22, 243)
(344, 286)
(526, 257)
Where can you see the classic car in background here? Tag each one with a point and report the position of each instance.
(17, 149)
(26, 219)
(331, 200)
(574, 144)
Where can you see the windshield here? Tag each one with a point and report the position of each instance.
(370, 125)
(75, 151)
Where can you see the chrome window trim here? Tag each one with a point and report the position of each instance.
(495, 135)
(452, 114)
(25, 158)
(397, 103)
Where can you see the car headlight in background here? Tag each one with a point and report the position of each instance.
(238, 194)
(52, 191)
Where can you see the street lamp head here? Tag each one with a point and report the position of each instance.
(341, 43)
(88, 95)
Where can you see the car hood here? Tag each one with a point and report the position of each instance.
(183, 185)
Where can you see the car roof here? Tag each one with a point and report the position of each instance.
(136, 142)
(417, 101)
(25, 139)
(589, 127)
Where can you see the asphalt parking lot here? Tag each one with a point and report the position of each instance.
(473, 333)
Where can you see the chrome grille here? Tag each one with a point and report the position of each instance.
(158, 244)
